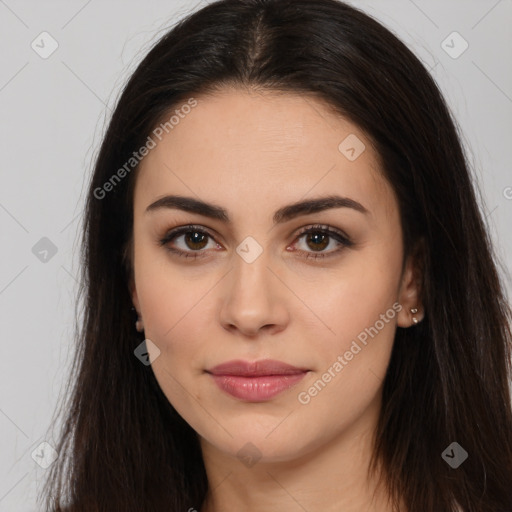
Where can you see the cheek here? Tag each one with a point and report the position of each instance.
(353, 299)
(358, 350)
(351, 361)
(359, 304)
(178, 313)
(168, 294)
(176, 320)
(175, 315)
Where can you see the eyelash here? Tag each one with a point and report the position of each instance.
(318, 229)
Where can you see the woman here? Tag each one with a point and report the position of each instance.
(282, 207)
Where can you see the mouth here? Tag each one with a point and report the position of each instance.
(256, 381)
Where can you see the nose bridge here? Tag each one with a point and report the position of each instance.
(252, 299)
(250, 277)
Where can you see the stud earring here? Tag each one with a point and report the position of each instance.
(414, 311)
(139, 325)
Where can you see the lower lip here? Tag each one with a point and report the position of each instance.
(256, 389)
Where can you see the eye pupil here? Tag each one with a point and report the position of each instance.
(318, 238)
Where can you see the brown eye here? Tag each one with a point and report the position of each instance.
(191, 242)
(187, 241)
(318, 238)
(317, 241)
(195, 240)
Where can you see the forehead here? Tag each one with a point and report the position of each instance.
(245, 148)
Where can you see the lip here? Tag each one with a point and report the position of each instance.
(256, 381)
(263, 367)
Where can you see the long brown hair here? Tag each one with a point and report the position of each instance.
(123, 446)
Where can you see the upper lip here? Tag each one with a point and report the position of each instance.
(255, 368)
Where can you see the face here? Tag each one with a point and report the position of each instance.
(318, 288)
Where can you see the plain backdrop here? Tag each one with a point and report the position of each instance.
(54, 109)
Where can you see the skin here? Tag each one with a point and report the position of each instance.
(252, 153)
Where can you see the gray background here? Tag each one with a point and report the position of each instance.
(53, 113)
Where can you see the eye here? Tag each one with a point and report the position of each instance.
(194, 240)
(320, 237)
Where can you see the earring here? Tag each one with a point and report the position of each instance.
(138, 324)
(414, 311)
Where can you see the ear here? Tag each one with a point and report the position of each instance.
(133, 294)
(410, 293)
(127, 262)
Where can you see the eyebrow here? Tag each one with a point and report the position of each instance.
(284, 214)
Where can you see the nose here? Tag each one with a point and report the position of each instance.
(253, 299)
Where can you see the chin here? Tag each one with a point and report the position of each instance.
(264, 446)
